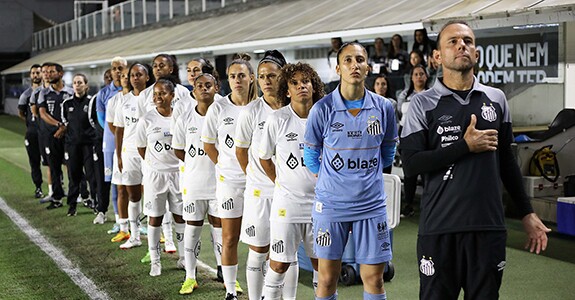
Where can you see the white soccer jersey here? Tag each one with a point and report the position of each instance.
(248, 134)
(182, 107)
(154, 133)
(219, 129)
(127, 117)
(146, 103)
(200, 173)
(113, 103)
(294, 189)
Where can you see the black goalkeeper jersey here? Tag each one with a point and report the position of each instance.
(463, 190)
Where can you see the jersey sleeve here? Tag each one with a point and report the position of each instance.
(119, 118)
(179, 134)
(41, 101)
(23, 100)
(390, 136)
(210, 130)
(313, 136)
(141, 139)
(111, 109)
(244, 129)
(100, 106)
(269, 138)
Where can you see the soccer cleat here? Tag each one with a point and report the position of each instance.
(47, 199)
(146, 259)
(156, 269)
(71, 212)
(121, 236)
(188, 286)
(55, 204)
(115, 229)
(38, 193)
(231, 296)
(239, 289)
(407, 212)
(219, 275)
(89, 203)
(131, 243)
(100, 218)
(170, 247)
(181, 264)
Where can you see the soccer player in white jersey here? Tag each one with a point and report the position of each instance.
(122, 197)
(154, 139)
(129, 161)
(290, 215)
(199, 184)
(259, 190)
(218, 138)
(165, 66)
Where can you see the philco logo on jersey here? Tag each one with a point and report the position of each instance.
(336, 127)
(337, 163)
(447, 129)
(261, 125)
(192, 129)
(488, 113)
(449, 138)
(193, 152)
(373, 126)
(228, 121)
(278, 246)
(355, 134)
(292, 136)
(323, 239)
(426, 266)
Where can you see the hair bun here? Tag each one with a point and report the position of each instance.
(243, 56)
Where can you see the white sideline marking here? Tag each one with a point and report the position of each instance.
(85, 283)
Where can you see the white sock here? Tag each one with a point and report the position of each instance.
(230, 274)
(134, 210)
(117, 218)
(254, 273)
(291, 280)
(180, 228)
(154, 242)
(315, 280)
(50, 190)
(274, 285)
(192, 244)
(217, 244)
(167, 227)
(123, 225)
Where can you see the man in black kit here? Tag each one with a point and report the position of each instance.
(31, 139)
(458, 135)
(50, 109)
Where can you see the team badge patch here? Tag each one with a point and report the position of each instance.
(488, 112)
(278, 246)
(323, 239)
(228, 204)
(251, 231)
(426, 266)
(373, 126)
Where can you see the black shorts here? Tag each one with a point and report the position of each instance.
(472, 261)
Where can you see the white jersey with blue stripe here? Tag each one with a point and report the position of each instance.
(350, 181)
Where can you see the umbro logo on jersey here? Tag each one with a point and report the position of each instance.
(373, 126)
(229, 141)
(190, 208)
(445, 119)
(335, 127)
(323, 239)
(251, 231)
(501, 265)
(193, 129)
(488, 113)
(337, 162)
(292, 162)
(155, 129)
(426, 266)
(292, 136)
(228, 121)
(228, 204)
(278, 246)
(261, 125)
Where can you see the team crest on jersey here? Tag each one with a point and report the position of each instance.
(426, 266)
(373, 126)
(85, 108)
(292, 162)
(337, 126)
(158, 147)
(488, 112)
(337, 162)
(192, 151)
(323, 238)
(228, 121)
(261, 125)
(229, 141)
(278, 246)
(292, 136)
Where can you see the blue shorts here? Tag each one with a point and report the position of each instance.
(108, 166)
(370, 238)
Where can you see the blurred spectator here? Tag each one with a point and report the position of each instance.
(107, 77)
(423, 43)
(333, 79)
(397, 59)
(377, 59)
(415, 58)
(433, 69)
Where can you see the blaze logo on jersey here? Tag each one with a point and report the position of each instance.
(228, 121)
(426, 266)
(158, 147)
(488, 113)
(191, 208)
(228, 204)
(335, 127)
(323, 239)
(337, 162)
(229, 141)
(278, 246)
(251, 231)
(291, 162)
(292, 136)
(373, 126)
(192, 151)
